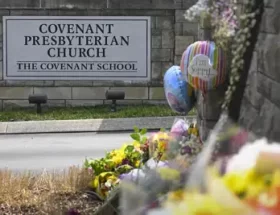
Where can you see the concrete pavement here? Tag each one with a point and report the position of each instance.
(60, 144)
(55, 151)
(89, 125)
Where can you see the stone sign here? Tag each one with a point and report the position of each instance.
(76, 48)
(202, 68)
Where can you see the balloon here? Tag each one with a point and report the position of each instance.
(204, 65)
(179, 94)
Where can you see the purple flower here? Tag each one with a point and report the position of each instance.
(186, 150)
(180, 128)
(135, 174)
(238, 140)
(152, 164)
(132, 175)
(73, 212)
(125, 161)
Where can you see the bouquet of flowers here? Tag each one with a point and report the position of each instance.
(106, 171)
(213, 195)
(163, 176)
(164, 147)
(249, 185)
(183, 141)
(243, 179)
(149, 191)
(253, 177)
(134, 159)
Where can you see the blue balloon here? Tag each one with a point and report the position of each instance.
(179, 94)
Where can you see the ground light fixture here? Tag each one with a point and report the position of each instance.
(114, 95)
(38, 99)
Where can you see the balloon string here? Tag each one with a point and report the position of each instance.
(203, 95)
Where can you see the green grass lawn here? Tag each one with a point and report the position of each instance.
(97, 112)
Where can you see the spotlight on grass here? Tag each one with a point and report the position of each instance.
(38, 99)
(114, 96)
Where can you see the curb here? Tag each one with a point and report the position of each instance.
(88, 125)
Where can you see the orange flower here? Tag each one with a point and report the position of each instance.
(267, 203)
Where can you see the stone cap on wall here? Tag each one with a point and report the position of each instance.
(96, 4)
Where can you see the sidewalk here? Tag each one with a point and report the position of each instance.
(89, 125)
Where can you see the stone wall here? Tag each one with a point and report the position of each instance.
(260, 110)
(171, 34)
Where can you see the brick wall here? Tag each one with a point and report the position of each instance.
(260, 110)
(171, 34)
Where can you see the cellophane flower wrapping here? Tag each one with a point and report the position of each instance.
(207, 189)
(164, 175)
(252, 176)
(141, 195)
(236, 173)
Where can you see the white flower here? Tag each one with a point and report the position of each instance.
(195, 11)
(248, 155)
(108, 184)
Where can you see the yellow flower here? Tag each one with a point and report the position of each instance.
(117, 160)
(167, 173)
(247, 184)
(137, 163)
(103, 183)
(224, 195)
(195, 131)
(199, 204)
(137, 146)
(235, 182)
(118, 157)
(161, 137)
(158, 145)
(254, 186)
(177, 195)
(276, 178)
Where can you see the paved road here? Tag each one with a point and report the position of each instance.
(55, 151)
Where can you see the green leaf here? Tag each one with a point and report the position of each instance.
(109, 165)
(86, 163)
(108, 155)
(136, 129)
(144, 139)
(129, 149)
(124, 169)
(135, 136)
(143, 131)
(162, 129)
(136, 155)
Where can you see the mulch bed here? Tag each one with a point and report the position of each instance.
(62, 204)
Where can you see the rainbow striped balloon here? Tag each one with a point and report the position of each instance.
(200, 73)
(179, 94)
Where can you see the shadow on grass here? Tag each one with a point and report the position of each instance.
(96, 112)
